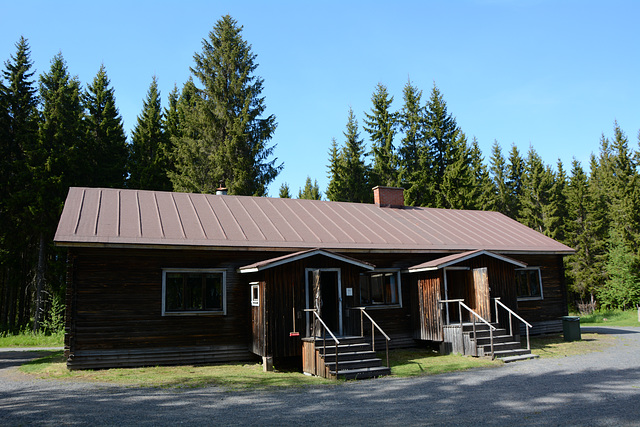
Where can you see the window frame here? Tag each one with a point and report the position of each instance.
(530, 298)
(373, 272)
(221, 312)
(255, 297)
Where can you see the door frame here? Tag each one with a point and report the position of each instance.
(308, 297)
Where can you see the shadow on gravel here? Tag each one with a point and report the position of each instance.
(594, 397)
(10, 358)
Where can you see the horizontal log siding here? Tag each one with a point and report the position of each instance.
(554, 302)
(115, 300)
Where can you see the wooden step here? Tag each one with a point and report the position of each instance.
(343, 348)
(513, 352)
(349, 355)
(354, 364)
(362, 373)
(508, 359)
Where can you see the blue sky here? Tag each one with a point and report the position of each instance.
(551, 74)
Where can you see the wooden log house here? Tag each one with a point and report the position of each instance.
(173, 278)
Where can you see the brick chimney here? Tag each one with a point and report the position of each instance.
(388, 197)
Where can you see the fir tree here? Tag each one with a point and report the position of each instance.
(311, 191)
(149, 150)
(381, 126)
(106, 150)
(483, 191)
(456, 191)
(231, 143)
(334, 190)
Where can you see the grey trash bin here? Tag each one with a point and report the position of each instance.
(571, 328)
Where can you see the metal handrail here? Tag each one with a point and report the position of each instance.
(461, 305)
(324, 341)
(373, 324)
(512, 313)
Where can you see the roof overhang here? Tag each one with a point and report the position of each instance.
(451, 260)
(296, 256)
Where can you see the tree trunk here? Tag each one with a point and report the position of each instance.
(40, 277)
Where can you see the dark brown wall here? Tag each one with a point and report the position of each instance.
(554, 302)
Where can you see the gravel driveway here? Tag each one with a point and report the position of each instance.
(592, 389)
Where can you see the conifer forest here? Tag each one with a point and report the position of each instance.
(57, 132)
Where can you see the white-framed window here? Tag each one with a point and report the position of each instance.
(529, 283)
(381, 288)
(255, 294)
(193, 291)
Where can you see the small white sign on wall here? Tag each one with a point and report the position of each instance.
(349, 292)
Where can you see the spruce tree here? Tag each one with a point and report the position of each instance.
(311, 191)
(456, 191)
(414, 157)
(106, 144)
(231, 143)
(381, 126)
(515, 178)
(354, 172)
(284, 193)
(483, 191)
(442, 132)
(18, 98)
(537, 183)
(334, 189)
(498, 168)
(53, 164)
(149, 150)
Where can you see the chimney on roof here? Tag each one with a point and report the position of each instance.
(221, 190)
(388, 197)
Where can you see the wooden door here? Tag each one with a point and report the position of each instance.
(482, 303)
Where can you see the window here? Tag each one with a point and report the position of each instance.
(529, 283)
(255, 294)
(380, 288)
(193, 292)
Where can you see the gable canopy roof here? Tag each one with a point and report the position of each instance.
(449, 260)
(274, 262)
(121, 218)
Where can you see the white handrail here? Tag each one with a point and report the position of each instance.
(363, 310)
(493, 328)
(315, 312)
(497, 299)
(512, 313)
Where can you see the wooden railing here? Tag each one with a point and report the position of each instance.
(325, 329)
(476, 316)
(374, 326)
(512, 313)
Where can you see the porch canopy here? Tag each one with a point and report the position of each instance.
(450, 260)
(296, 256)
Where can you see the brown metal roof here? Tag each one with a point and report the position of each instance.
(98, 216)
(457, 258)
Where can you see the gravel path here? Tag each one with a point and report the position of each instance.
(591, 389)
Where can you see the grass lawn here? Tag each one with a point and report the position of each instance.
(31, 339)
(611, 318)
(555, 345)
(404, 363)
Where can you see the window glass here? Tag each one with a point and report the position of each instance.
(192, 291)
(379, 289)
(528, 283)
